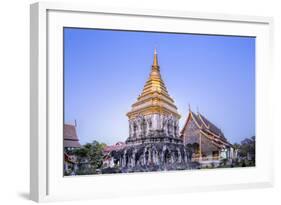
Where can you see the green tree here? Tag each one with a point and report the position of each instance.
(236, 146)
(247, 147)
(92, 153)
(246, 151)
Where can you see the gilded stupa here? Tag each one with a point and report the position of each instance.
(154, 142)
(154, 98)
(154, 113)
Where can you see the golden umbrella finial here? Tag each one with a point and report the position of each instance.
(155, 59)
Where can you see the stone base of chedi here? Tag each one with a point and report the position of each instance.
(156, 150)
(154, 157)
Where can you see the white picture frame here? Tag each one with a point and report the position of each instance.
(46, 176)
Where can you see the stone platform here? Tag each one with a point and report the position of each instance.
(153, 156)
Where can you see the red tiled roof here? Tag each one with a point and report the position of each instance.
(211, 126)
(117, 146)
(71, 143)
(69, 132)
(70, 138)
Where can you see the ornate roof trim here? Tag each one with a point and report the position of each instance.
(211, 127)
(193, 116)
(211, 140)
(216, 138)
(204, 123)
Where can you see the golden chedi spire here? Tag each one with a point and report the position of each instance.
(154, 98)
(155, 60)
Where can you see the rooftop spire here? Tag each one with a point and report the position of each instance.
(154, 97)
(155, 59)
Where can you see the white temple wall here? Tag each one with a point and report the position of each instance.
(143, 125)
(155, 123)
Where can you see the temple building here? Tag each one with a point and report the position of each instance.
(207, 141)
(70, 142)
(70, 138)
(154, 142)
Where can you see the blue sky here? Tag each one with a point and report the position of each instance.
(105, 71)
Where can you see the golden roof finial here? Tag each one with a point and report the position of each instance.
(155, 59)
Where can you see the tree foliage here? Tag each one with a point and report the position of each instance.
(90, 157)
(246, 151)
(247, 147)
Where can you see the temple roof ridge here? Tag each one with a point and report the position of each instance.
(203, 123)
(210, 126)
(70, 137)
